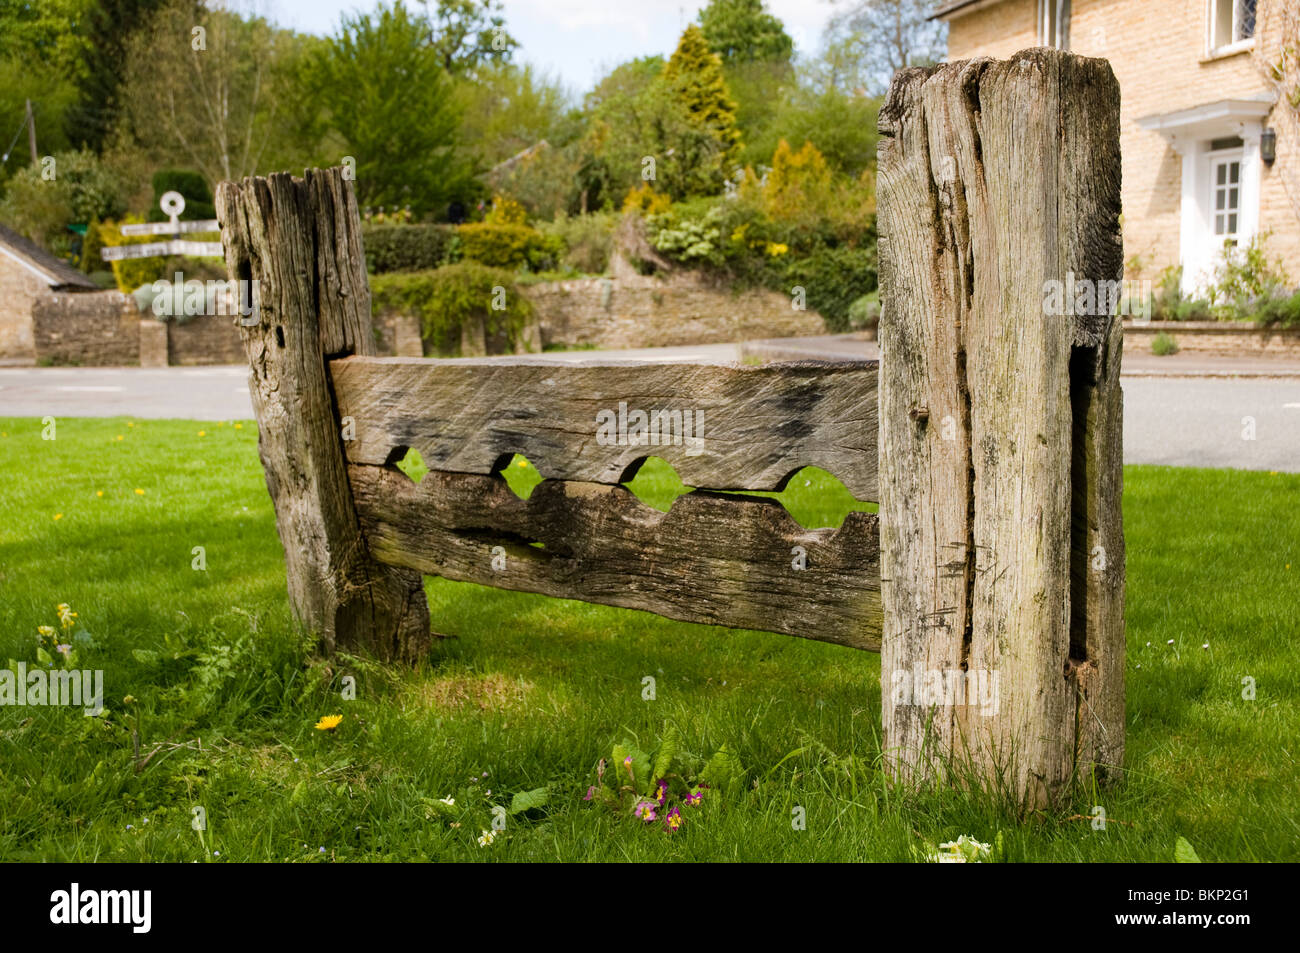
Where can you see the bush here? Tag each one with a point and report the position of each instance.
(131, 273)
(82, 189)
(509, 246)
(865, 312)
(646, 200)
(833, 278)
(692, 240)
(588, 240)
(1279, 311)
(391, 248)
(1243, 277)
(505, 211)
(192, 185)
(1193, 309)
(448, 298)
(1163, 345)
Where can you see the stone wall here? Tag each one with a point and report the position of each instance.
(636, 311)
(89, 329)
(397, 335)
(204, 339)
(1234, 338)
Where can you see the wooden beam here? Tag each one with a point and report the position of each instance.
(300, 241)
(710, 559)
(756, 425)
(999, 416)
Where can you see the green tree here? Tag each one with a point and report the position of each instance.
(204, 100)
(742, 31)
(702, 148)
(390, 100)
(841, 124)
(45, 32)
(508, 109)
(467, 34)
(105, 32)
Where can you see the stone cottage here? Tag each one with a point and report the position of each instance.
(29, 275)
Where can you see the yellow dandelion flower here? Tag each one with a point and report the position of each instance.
(58, 516)
(329, 722)
(99, 492)
(130, 423)
(203, 433)
(239, 426)
(139, 492)
(120, 437)
(523, 463)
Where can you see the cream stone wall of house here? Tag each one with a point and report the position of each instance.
(19, 287)
(1159, 52)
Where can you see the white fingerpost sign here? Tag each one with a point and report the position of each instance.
(173, 204)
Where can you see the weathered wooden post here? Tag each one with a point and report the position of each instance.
(1002, 546)
(300, 241)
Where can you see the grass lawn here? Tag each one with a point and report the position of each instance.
(531, 692)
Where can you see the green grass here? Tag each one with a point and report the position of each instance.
(533, 691)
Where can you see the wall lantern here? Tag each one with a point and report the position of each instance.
(1268, 145)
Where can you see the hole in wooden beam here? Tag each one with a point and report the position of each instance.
(409, 461)
(815, 498)
(519, 473)
(654, 482)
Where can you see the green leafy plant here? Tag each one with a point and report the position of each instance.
(474, 808)
(1280, 310)
(1163, 345)
(1185, 853)
(665, 784)
(57, 648)
(688, 238)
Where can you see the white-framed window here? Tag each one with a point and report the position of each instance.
(1054, 23)
(1231, 24)
(1226, 158)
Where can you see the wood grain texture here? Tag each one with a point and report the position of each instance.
(299, 239)
(711, 559)
(995, 178)
(759, 424)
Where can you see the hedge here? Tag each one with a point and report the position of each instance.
(446, 298)
(394, 248)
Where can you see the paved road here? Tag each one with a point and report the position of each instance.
(1179, 421)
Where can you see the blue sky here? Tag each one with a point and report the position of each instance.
(579, 40)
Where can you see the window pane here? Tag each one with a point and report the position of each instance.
(1232, 224)
(1222, 174)
(1232, 199)
(1218, 224)
(1222, 25)
(1234, 170)
(1245, 19)
(1218, 200)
